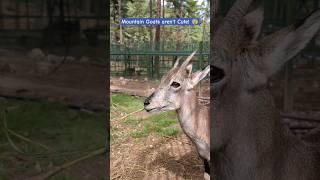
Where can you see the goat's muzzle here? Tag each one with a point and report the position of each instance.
(147, 102)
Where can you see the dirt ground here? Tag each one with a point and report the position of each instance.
(76, 83)
(156, 158)
(153, 157)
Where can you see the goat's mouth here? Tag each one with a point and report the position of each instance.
(155, 109)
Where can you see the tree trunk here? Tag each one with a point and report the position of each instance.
(120, 32)
(215, 7)
(163, 27)
(61, 8)
(179, 15)
(86, 6)
(157, 38)
(1, 19)
(151, 27)
(157, 42)
(27, 13)
(17, 14)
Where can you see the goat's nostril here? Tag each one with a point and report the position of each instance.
(146, 102)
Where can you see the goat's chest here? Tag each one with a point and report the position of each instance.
(202, 146)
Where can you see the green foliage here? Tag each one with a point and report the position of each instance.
(141, 34)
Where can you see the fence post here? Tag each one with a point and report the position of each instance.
(288, 88)
(149, 64)
(156, 62)
(126, 57)
(201, 54)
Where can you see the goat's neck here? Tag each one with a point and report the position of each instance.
(255, 139)
(193, 117)
(187, 113)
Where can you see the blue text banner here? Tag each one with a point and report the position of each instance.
(159, 21)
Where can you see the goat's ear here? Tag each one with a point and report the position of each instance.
(197, 77)
(276, 49)
(253, 23)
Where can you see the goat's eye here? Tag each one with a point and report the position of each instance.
(216, 74)
(175, 84)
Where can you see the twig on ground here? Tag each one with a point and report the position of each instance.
(66, 165)
(127, 115)
(5, 129)
(8, 131)
(28, 140)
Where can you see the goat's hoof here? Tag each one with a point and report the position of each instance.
(206, 176)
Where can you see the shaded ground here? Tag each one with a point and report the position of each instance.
(76, 83)
(48, 119)
(63, 135)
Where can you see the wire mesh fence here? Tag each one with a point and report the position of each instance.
(39, 23)
(151, 66)
(141, 61)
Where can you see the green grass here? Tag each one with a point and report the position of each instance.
(69, 133)
(161, 124)
(127, 103)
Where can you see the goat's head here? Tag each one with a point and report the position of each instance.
(241, 63)
(173, 85)
(238, 56)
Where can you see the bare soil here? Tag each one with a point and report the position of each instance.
(78, 84)
(155, 157)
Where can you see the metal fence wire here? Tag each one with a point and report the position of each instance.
(141, 62)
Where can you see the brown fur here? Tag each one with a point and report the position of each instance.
(248, 140)
(193, 117)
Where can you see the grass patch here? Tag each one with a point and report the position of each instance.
(161, 124)
(132, 121)
(127, 103)
(139, 134)
(170, 132)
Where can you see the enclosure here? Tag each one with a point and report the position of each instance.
(140, 61)
(148, 146)
(153, 146)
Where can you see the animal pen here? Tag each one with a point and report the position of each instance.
(50, 24)
(49, 50)
(139, 60)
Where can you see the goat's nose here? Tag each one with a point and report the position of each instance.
(146, 102)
